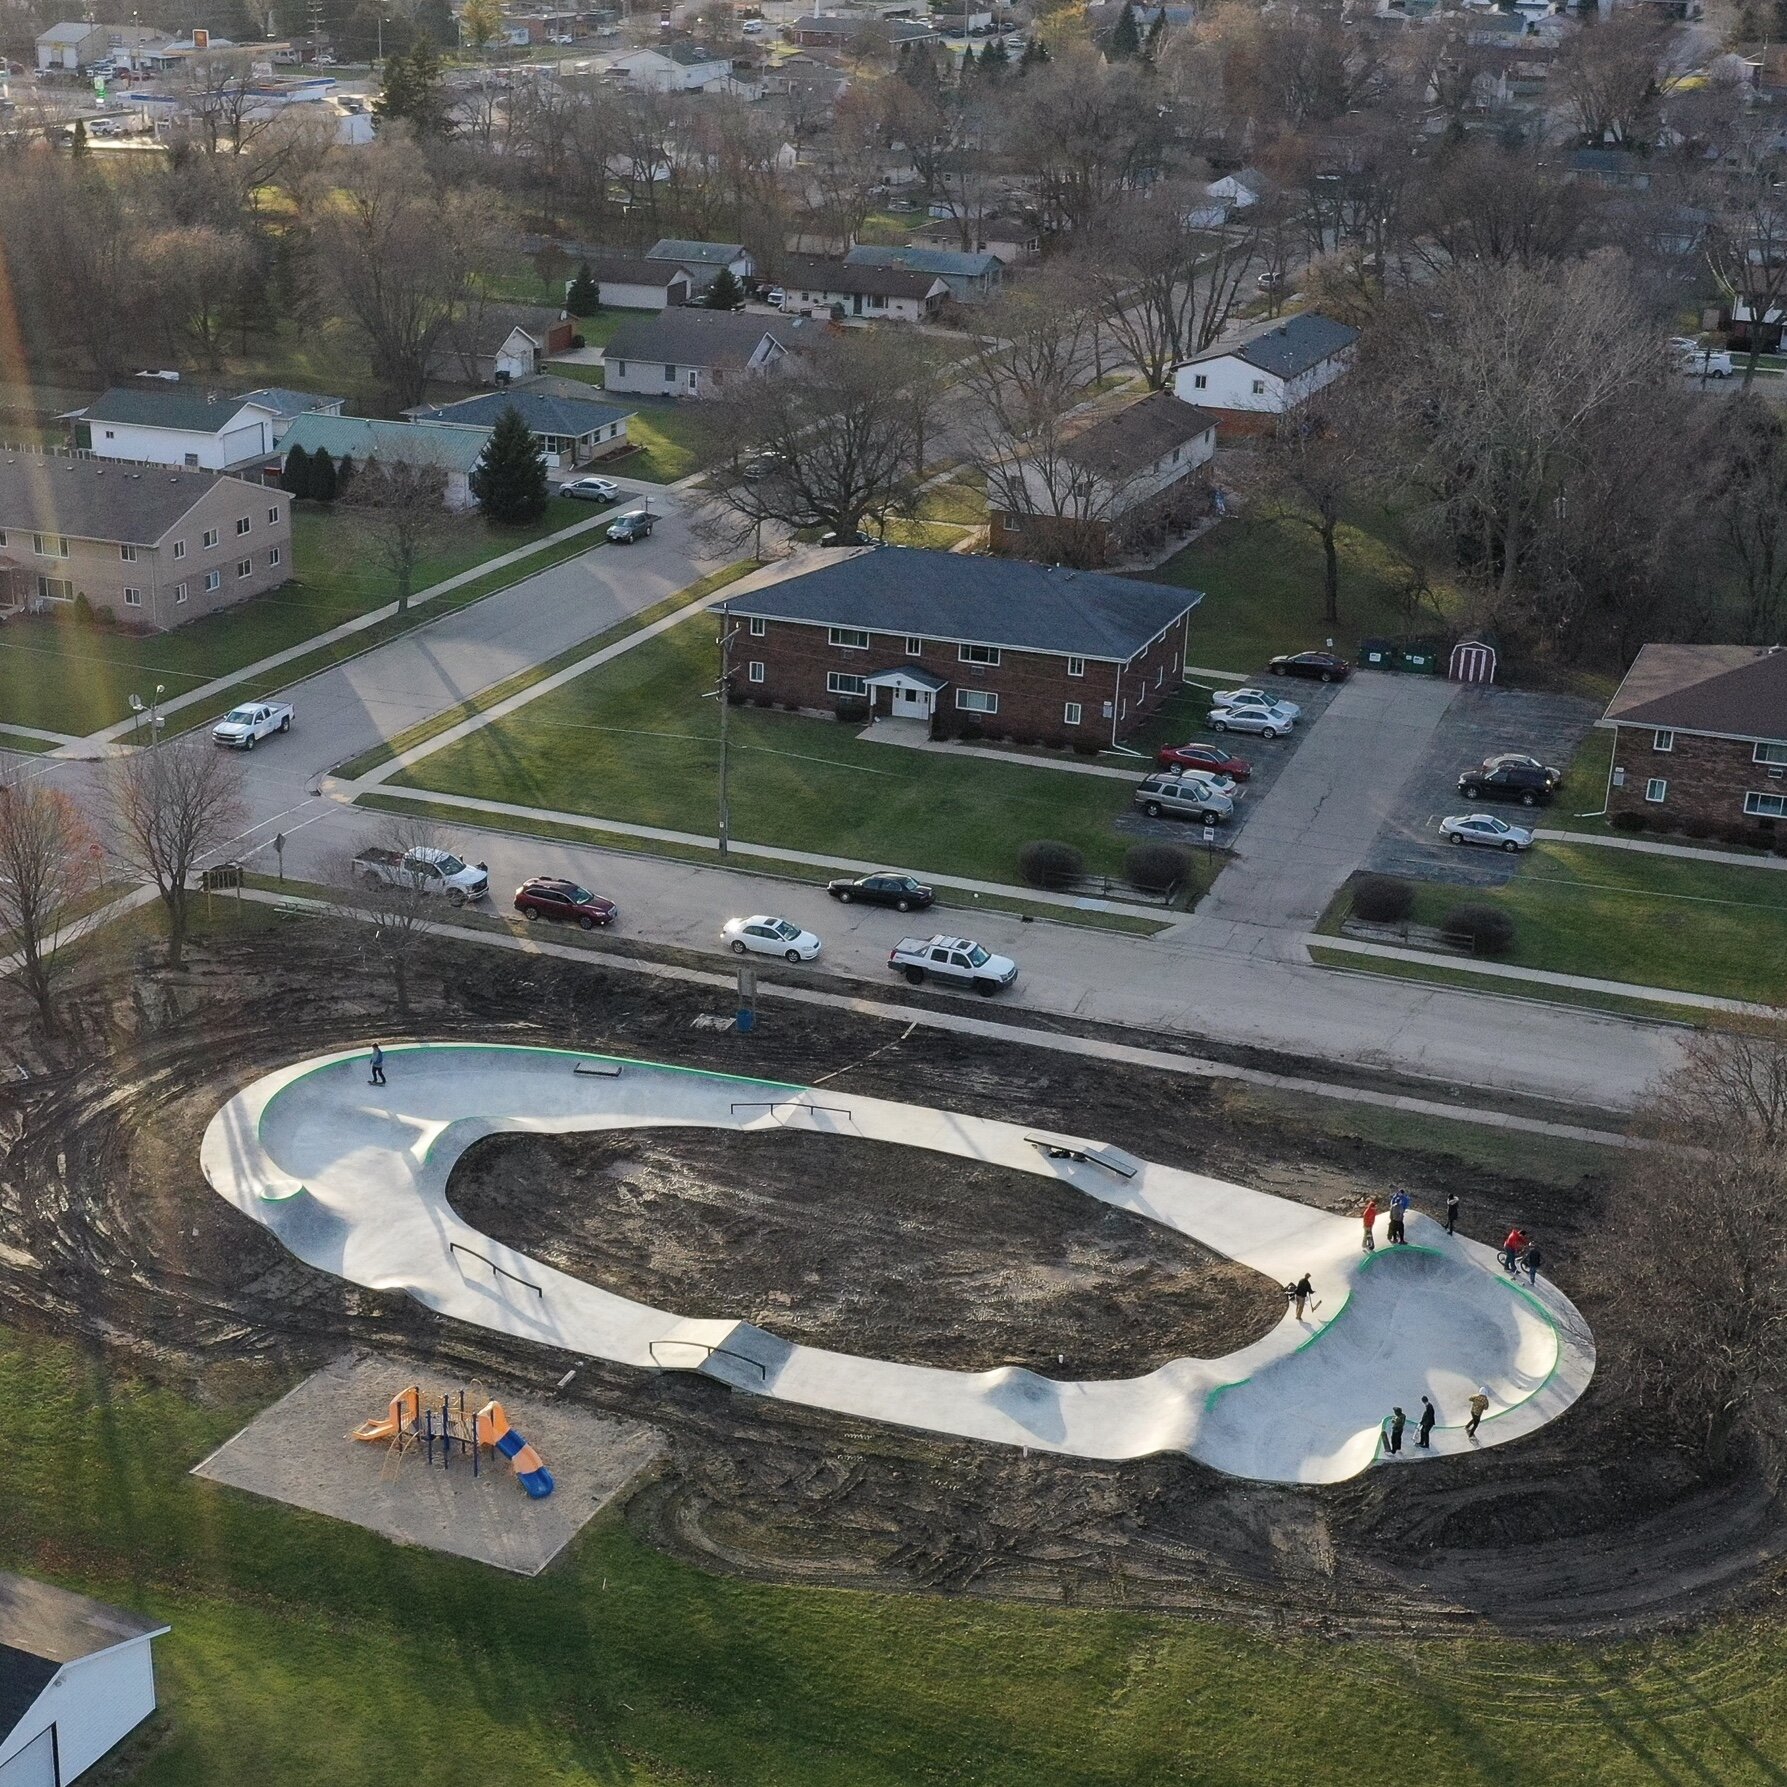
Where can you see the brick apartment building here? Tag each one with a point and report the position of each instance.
(998, 646)
(1700, 736)
(150, 546)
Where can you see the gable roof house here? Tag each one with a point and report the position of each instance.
(1010, 235)
(149, 546)
(996, 645)
(501, 343)
(1700, 734)
(629, 281)
(673, 68)
(288, 405)
(569, 420)
(1123, 478)
(814, 286)
(184, 425)
(76, 1678)
(453, 448)
(691, 353)
(1250, 385)
(702, 261)
(970, 277)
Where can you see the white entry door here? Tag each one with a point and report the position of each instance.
(911, 704)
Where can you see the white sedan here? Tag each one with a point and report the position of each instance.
(1485, 829)
(766, 936)
(591, 490)
(1251, 697)
(1268, 722)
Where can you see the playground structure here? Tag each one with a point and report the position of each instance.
(410, 1425)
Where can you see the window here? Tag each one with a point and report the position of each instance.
(1766, 806)
(1655, 790)
(1662, 741)
(977, 701)
(274, 557)
(133, 598)
(620, 366)
(179, 549)
(192, 460)
(669, 375)
(273, 517)
(179, 592)
(1771, 754)
(2, 536)
(210, 538)
(756, 672)
(1259, 387)
(128, 553)
(49, 545)
(914, 647)
(1070, 714)
(1076, 666)
(213, 580)
(852, 639)
(759, 626)
(243, 524)
(836, 683)
(111, 434)
(979, 654)
(1200, 381)
(244, 567)
(55, 589)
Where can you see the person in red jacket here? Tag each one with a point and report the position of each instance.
(1512, 1249)
(1369, 1244)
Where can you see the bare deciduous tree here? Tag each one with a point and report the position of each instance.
(50, 861)
(398, 511)
(172, 805)
(399, 913)
(1748, 449)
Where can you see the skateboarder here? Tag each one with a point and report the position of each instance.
(1299, 1293)
(378, 1066)
(1428, 1417)
(1398, 1420)
(1370, 1242)
(1451, 1213)
(1399, 1203)
(1479, 1407)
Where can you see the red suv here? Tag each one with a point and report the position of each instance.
(547, 897)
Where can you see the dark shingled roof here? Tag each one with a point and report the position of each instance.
(99, 499)
(544, 412)
(1734, 691)
(698, 254)
(978, 601)
(41, 1628)
(1290, 348)
(1131, 439)
(624, 266)
(165, 405)
(814, 274)
(688, 337)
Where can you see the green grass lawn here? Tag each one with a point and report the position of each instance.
(68, 678)
(674, 439)
(1262, 584)
(634, 741)
(1658, 921)
(303, 1649)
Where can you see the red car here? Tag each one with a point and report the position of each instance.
(547, 897)
(1197, 755)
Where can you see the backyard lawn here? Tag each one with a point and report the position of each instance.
(634, 741)
(65, 677)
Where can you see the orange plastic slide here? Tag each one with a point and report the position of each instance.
(406, 1410)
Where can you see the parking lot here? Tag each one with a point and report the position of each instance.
(1480, 723)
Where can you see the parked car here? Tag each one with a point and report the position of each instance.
(634, 525)
(1321, 667)
(752, 27)
(1701, 362)
(775, 296)
(1486, 829)
(433, 870)
(956, 961)
(546, 896)
(242, 727)
(1184, 797)
(901, 892)
(831, 537)
(1508, 781)
(1212, 759)
(1268, 722)
(760, 464)
(767, 936)
(1251, 697)
(591, 490)
(1520, 760)
(1272, 280)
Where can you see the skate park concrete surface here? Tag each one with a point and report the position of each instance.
(352, 1179)
(298, 1451)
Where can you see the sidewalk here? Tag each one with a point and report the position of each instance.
(914, 735)
(1688, 852)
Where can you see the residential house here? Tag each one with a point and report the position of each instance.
(149, 546)
(453, 448)
(673, 68)
(1010, 235)
(1226, 197)
(818, 287)
(692, 353)
(839, 30)
(1005, 647)
(702, 261)
(1250, 385)
(499, 343)
(964, 21)
(157, 423)
(1700, 738)
(287, 406)
(76, 1678)
(569, 420)
(1617, 169)
(971, 278)
(1118, 480)
(628, 281)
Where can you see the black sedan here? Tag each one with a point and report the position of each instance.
(1321, 667)
(899, 891)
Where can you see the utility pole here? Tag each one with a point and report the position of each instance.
(724, 693)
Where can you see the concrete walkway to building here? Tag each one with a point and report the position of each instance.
(915, 735)
(352, 1177)
(1731, 859)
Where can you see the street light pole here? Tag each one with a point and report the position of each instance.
(725, 698)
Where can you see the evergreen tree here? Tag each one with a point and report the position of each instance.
(968, 69)
(1035, 55)
(344, 473)
(584, 296)
(397, 92)
(1125, 42)
(414, 91)
(725, 293)
(995, 59)
(294, 475)
(510, 479)
(322, 476)
(1157, 31)
(77, 138)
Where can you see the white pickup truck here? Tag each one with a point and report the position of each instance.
(433, 871)
(954, 960)
(243, 727)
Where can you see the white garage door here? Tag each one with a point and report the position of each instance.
(34, 1766)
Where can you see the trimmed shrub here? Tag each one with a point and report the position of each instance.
(1048, 864)
(1779, 845)
(83, 610)
(970, 731)
(1744, 836)
(853, 710)
(1631, 822)
(578, 342)
(1084, 747)
(1485, 930)
(1697, 828)
(1383, 900)
(1156, 868)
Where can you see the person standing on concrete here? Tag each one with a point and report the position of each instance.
(1529, 1258)
(1369, 1244)
(1479, 1407)
(1428, 1417)
(1393, 1440)
(1399, 1203)
(1512, 1248)
(378, 1066)
(1300, 1293)
(1451, 1213)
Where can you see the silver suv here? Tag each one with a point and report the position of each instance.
(1184, 797)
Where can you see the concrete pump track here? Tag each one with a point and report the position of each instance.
(352, 1179)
